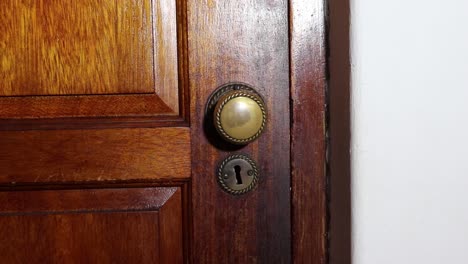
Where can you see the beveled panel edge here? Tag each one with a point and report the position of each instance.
(39, 107)
(96, 185)
(38, 119)
(150, 199)
(173, 229)
(165, 47)
(183, 60)
(92, 123)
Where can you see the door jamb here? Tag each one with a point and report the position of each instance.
(308, 68)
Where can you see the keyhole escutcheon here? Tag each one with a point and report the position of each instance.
(238, 174)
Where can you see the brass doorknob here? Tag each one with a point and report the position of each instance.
(240, 115)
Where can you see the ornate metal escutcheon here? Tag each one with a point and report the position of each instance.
(238, 174)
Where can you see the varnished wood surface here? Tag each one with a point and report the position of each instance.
(308, 132)
(136, 225)
(244, 41)
(121, 237)
(90, 200)
(227, 41)
(152, 59)
(166, 15)
(94, 155)
(339, 133)
(172, 229)
(59, 47)
(82, 106)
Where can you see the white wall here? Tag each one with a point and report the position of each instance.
(409, 131)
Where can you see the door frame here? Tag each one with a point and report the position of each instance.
(308, 71)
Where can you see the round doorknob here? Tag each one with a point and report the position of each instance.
(239, 115)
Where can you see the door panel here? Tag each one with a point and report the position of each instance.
(88, 59)
(135, 225)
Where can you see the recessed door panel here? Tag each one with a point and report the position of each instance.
(136, 225)
(91, 59)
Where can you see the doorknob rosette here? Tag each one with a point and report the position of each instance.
(239, 114)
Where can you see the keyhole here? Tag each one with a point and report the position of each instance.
(237, 168)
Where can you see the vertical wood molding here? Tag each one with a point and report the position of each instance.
(308, 131)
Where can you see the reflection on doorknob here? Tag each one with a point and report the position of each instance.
(239, 113)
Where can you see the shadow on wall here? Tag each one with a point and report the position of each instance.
(339, 133)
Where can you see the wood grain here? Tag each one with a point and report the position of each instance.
(171, 231)
(166, 41)
(94, 155)
(59, 47)
(136, 225)
(244, 41)
(80, 238)
(218, 42)
(308, 132)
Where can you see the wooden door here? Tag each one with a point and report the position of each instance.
(105, 156)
